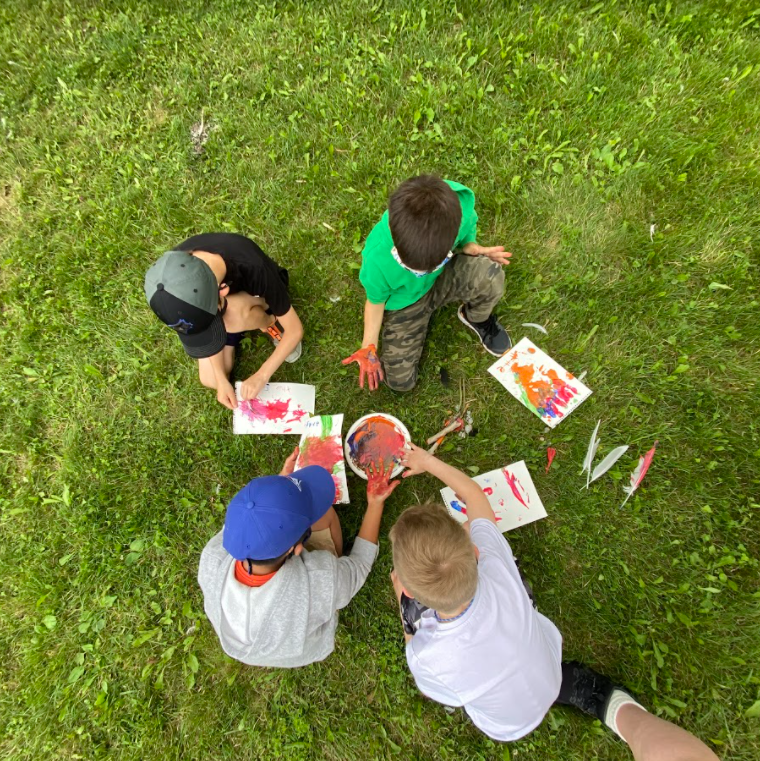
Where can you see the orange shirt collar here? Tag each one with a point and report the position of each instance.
(251, 579)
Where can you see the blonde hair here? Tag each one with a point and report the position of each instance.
(434, 557)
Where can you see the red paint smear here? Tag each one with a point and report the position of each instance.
(376, 441)
(256, 410)
(516, 486)
(550, 452)
(325, 452)
(487, 490)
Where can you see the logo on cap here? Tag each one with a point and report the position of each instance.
(183, 326)
(296, 482)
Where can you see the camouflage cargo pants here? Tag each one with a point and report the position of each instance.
(475, 280)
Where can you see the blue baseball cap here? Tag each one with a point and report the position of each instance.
(271, 513)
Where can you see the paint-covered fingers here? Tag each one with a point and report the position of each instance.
(290, 463)
(369, 366)
(378, 488)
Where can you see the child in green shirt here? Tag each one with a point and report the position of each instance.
(420, 256)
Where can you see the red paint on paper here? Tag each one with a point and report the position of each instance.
(257, 410)
(515, 486)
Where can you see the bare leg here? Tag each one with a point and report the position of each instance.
(330, 520)
(653, 739)
(206, 372)
(246, 312)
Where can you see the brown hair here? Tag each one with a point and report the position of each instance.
(424, 214)
(434, 557)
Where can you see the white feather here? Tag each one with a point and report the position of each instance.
(631, 488)
(608, 462)
(535, 325)
(591, 453)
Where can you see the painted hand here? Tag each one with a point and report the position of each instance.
(378, 488)
(416, 460)
(290, 463)
(497, 253)
(225, 394)
(251, 388)
(369, 366)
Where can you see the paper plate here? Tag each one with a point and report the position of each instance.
(370, 433)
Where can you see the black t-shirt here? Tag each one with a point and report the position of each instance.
(249, 269)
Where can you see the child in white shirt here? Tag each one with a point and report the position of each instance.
(479, 641)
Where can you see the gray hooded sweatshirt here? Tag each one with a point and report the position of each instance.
(289, 621)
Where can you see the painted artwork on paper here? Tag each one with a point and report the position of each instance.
(279, 408)
(321, 444)
(535, 379)
(511, 494)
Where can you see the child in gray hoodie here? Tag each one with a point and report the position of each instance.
(274, 579)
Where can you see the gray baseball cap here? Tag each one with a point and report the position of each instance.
(182, 290)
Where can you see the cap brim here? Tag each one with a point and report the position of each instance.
(321, 486)
(207, 342)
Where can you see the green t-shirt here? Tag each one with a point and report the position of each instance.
(385, 280)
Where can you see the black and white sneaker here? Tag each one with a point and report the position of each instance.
(593, 693)
(584, 689)
(491, 334)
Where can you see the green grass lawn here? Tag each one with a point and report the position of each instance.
(612, 147)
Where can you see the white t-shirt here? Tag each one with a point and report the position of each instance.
(502, 659)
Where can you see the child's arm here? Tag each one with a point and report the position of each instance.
(419, 461)
(379, 488)
(373, 321)
(497, 253)
(366, 357)
(293, 333)
(352, 569)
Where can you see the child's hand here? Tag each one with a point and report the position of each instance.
(290, 463)
(369, 366)
(497, 253)
(252, 387)
(225, 394)
(378, 488)
(416, 460)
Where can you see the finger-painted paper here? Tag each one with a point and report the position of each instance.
(321, 444)
(535, 379)
(279, 408)
(511, 494)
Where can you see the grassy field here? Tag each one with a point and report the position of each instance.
(612, 147)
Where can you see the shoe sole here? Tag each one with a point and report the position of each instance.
(295, 355)
(464, 322)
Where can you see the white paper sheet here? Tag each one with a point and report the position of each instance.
(279, 408)
(539, 383)
(511, 494)
(321, 444)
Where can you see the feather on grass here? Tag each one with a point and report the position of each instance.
(608, 462)
(591, 453)
(638, 475)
